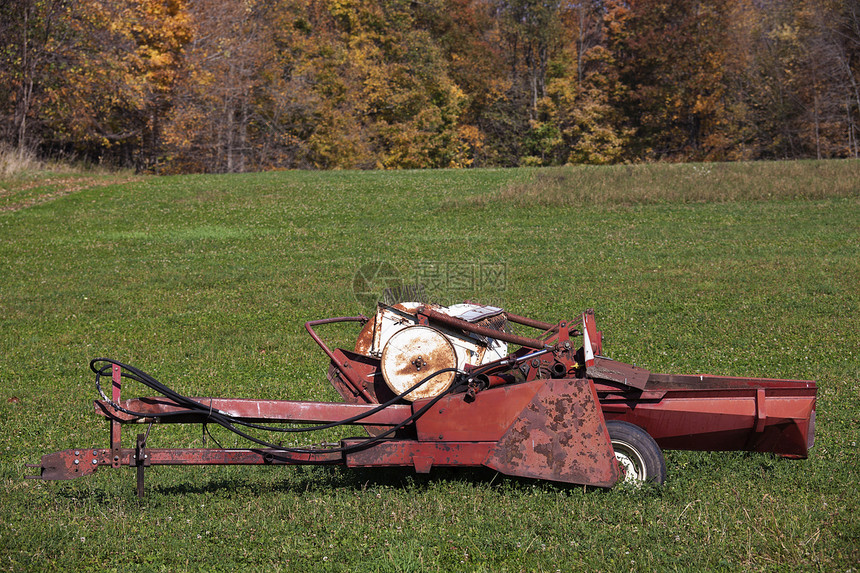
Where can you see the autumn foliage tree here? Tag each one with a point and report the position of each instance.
(238, 85)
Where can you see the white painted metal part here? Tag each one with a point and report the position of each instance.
(414, 353)
(468, 348)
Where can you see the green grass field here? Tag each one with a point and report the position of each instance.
(206, 282)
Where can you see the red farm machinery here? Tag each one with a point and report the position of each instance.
(436, 386)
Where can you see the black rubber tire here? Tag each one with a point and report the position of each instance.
(636, 451)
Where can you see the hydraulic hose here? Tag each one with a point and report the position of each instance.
(103, 367)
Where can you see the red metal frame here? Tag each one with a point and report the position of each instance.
(540, 412)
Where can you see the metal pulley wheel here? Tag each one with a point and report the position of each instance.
(413, 354)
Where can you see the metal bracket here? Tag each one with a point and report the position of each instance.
(140, 460)
(760, 412)
(115, 426)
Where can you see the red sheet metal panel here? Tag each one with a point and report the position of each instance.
(485, 419)
(726, 414)
(561, 436)
(627, 374)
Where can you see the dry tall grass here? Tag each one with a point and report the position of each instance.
(14, 161)
(677, 183)
(26, 180)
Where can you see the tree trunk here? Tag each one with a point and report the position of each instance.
(26, 91)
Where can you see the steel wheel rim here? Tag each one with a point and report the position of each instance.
(630, 461)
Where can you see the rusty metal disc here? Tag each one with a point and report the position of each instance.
(414, 353)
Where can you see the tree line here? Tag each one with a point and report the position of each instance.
(241, 85)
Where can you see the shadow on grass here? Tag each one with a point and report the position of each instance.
(316, 479)
(304, 479)
(162, 484)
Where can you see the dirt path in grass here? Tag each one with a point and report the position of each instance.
(56, 188)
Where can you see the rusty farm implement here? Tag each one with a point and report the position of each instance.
(435, 386)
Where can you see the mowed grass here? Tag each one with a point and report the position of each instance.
(206, 282)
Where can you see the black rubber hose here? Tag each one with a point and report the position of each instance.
(229, 422)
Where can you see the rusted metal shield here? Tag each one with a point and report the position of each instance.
(561, 436)
(414, 353)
